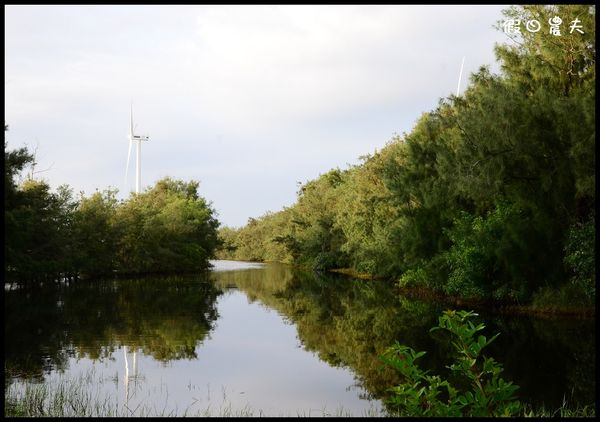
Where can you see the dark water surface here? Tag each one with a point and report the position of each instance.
(265, 340)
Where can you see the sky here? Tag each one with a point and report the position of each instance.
(247, 100)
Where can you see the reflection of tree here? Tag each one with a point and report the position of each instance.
(271, 279)
(567, 346)
(351, 322)
(32, 343)
(346, 322)
(162, 317)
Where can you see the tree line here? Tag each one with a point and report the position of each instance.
(52, 235)
(491, 195)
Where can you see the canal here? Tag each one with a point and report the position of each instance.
(263, 339)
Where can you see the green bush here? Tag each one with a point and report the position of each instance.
(488, 254)
(325, 261)
(580, 257)
(423, 394)
(413, 278)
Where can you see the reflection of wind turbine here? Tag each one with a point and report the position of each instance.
(126, 377)
(138, 161)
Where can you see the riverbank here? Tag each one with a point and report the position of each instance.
(543, 308)
(533, 309)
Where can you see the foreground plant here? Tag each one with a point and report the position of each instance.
(423, 394)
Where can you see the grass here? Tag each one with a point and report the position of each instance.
(73, 397)
(564, 411)
(62, 400)
(81, 396)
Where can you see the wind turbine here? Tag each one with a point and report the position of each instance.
(138, 162)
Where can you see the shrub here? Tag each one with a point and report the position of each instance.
(413, 278)
(580, 257)
(488, 255)
(423, 394)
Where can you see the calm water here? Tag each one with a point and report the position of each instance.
(264, 339)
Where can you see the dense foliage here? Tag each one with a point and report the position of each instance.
(491, 195)
(49, 235)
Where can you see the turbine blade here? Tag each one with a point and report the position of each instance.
(131, 122)
(460, 76)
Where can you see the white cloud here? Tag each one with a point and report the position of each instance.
(210, 82)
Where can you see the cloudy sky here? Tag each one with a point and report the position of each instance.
(248, 100)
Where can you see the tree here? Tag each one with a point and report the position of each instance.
(43, 229)
(14, 162)
(94, 235)
(168, 228)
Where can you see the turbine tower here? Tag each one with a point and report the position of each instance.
(138, 162)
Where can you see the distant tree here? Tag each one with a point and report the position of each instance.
(168, 228)
(49, 235)
(227, 243)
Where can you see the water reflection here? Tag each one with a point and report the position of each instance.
(351, 322)
(162, 317)
(346, 323)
